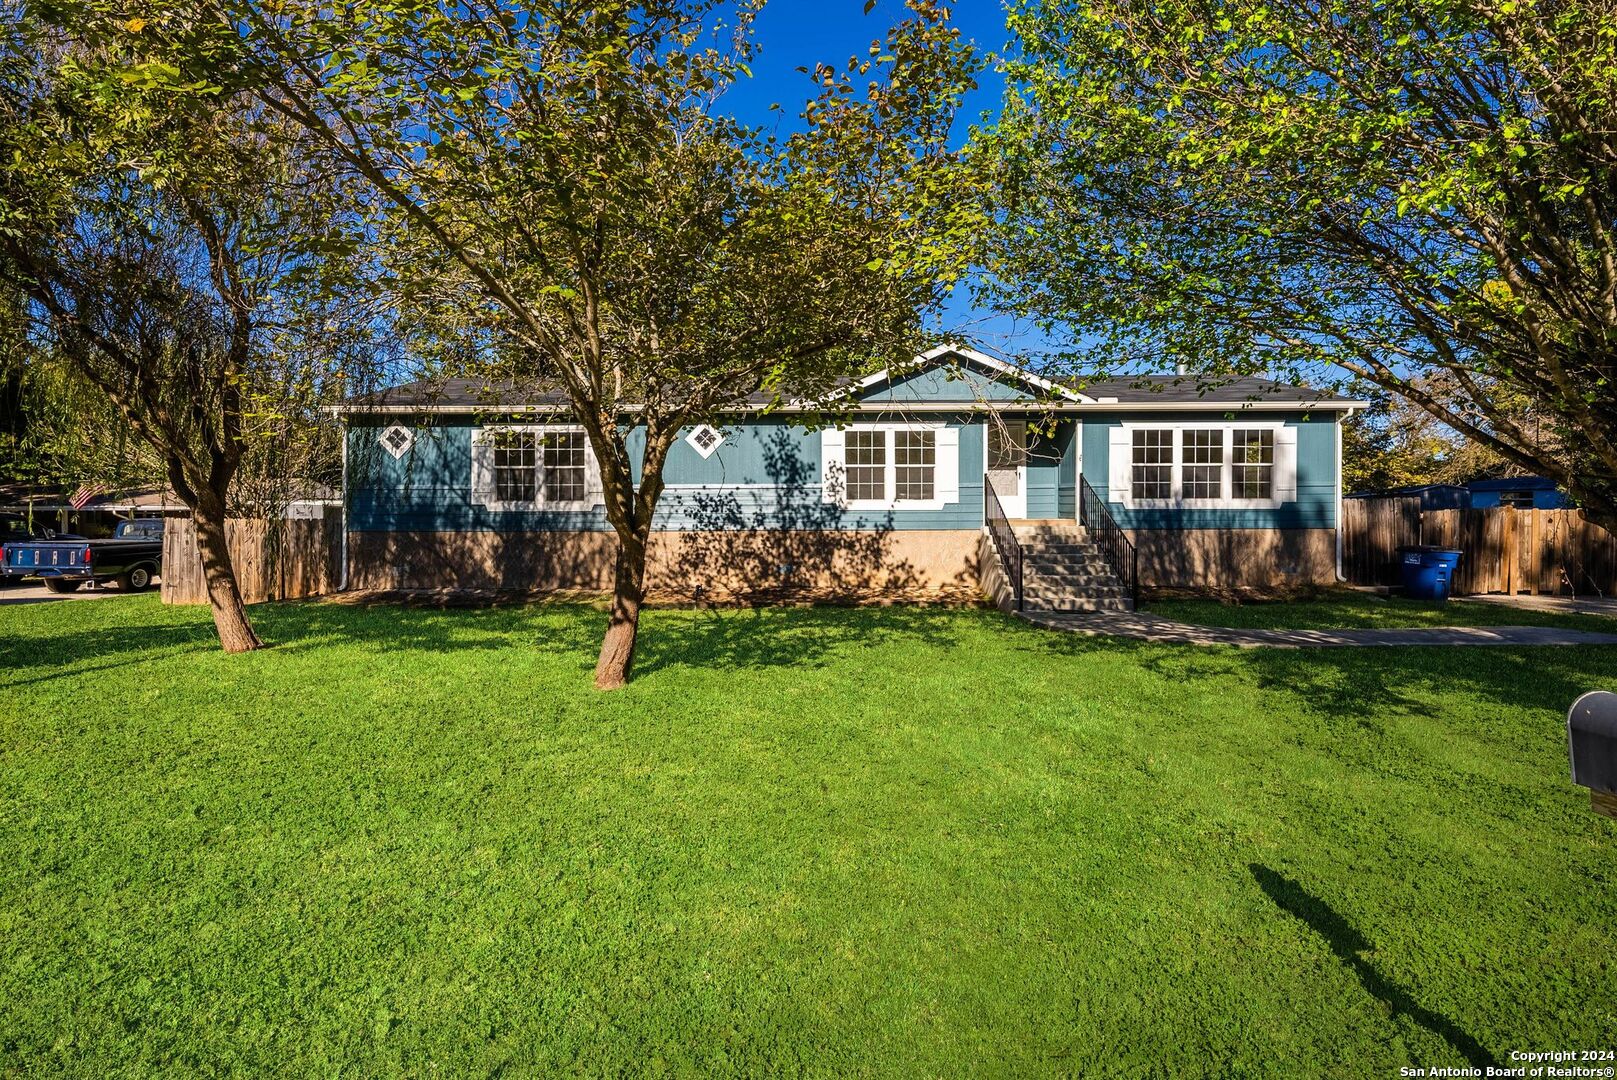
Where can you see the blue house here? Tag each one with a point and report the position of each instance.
(1522, 492)
(957, 474)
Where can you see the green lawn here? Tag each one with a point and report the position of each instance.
(894, 841)
(1345, 609)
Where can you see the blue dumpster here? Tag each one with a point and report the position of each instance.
(1427, 571)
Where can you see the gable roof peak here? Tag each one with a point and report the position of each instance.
(986, 362)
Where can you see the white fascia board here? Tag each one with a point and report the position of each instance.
(798, 408)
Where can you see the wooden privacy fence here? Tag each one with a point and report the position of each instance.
(294, 559)
(1372, 532)
(1505, 549)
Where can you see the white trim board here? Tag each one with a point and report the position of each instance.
(810, 409)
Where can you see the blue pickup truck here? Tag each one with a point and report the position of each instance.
(131, 558)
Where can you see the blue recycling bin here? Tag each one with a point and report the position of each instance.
(1427, 571)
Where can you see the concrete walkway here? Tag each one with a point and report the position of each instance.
(1145, 627)
(1561, 605)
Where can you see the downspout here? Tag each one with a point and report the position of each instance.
(342, 566)
(1340, 417)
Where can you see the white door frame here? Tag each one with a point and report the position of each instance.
(1077, 466)
(1015, 506)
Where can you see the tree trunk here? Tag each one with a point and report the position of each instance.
(1601, 512)
(236, 633)
(613, 669)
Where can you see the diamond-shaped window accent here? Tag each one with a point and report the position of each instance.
(397, 440)
(705, 439)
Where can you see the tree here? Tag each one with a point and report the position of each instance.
(159, 240)
(1417, 194)
(564, 191)
(1392, 444)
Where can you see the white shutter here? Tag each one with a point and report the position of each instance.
(482, 469)
(832, 466)
(594, 490)
(946, 485)
(1120, 464)
(1285, 485)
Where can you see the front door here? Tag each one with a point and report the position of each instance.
(1007, 464)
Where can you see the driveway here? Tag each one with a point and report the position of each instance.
(31, 591)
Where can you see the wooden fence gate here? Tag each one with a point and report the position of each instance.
(297, 558)
(1504, 549)
(1372, 532)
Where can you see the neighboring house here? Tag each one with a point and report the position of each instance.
(1522, 492)
(1431, 496)
(1236, 485)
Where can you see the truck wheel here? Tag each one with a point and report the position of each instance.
(138, 579)
(62, 585)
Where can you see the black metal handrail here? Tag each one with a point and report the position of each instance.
(999, 527)
(1109, 535)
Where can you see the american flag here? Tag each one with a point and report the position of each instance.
(82, 497)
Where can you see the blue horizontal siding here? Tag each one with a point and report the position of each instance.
(765, 474)
(962, 384)
(1315, 507)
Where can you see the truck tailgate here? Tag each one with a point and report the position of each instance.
(45, 556)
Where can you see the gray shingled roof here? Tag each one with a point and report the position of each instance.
(1169, 390)
(1172, 389)
(477, 393)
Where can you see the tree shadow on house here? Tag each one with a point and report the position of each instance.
(784, 542)
(1353, 950)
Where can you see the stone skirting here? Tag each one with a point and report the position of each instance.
(691, 565)
(817, 564)
(1256, 559)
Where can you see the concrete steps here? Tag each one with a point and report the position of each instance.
(1062, 570)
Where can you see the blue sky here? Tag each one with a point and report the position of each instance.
(801, 33)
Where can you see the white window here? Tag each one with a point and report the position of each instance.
(396, 439)
(534, 467)
(912, 466)
(915, 465)
(1153, 463)
(1254, 463)
(563, 466)
(1204, 463)
(1250, 465)
(866, 466)
(516, 476)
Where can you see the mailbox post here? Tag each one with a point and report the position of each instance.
(1591, 732)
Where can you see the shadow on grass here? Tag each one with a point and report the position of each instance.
(727, 639)
(41, 658)
(1354, 683)
(787, 637)
(1348, 945)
